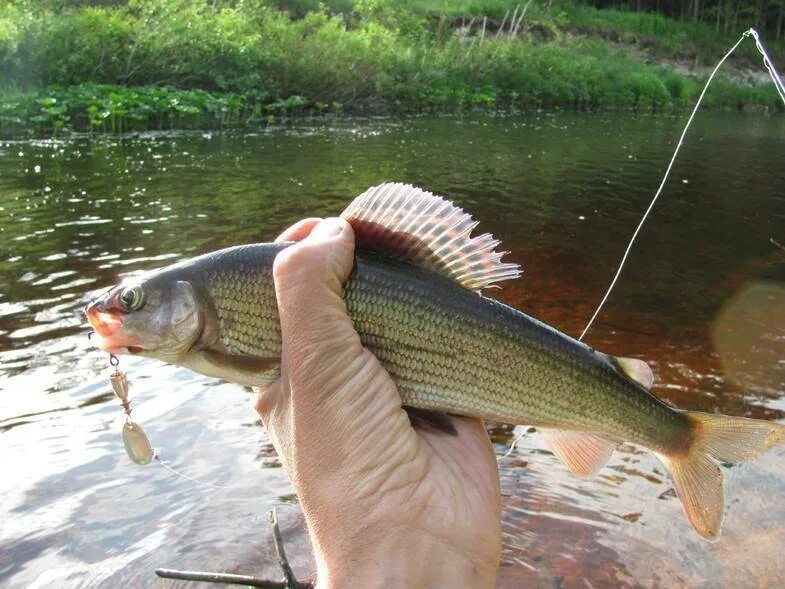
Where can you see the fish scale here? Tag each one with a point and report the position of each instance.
(448, 348)
(473, 365)
(476, 356)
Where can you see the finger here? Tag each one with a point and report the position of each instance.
(299, 230)
(309, 276)
(335, 394)
(268, 403)
(266, 398)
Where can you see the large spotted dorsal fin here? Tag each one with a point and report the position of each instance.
(409, 223)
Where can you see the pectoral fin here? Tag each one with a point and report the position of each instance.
(246, 370)
(583, 453)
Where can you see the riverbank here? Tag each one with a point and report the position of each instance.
(155, 64)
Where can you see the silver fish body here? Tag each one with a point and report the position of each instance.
(448, 348)
(414, 299)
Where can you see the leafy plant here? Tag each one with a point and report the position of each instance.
(130, 65)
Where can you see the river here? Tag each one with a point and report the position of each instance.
(702, 299)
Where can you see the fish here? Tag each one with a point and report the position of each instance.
(415, 296)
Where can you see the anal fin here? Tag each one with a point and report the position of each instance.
(583, 453)
(423, 418)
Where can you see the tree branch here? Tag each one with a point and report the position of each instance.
(289, 582)
(220, 578)
(283, 562)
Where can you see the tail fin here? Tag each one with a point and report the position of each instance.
(696, 475)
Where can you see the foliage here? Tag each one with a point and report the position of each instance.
(117, 109)
(665, 37)
(119, 65)
(724, 15)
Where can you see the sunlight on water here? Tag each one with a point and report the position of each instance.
(701, 300)
(749, 335)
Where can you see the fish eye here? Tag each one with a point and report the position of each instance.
(131, 299)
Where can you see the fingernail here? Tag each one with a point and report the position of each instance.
(328, 228)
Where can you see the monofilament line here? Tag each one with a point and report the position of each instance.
(157, 457)
(775, 77)
(780, 90)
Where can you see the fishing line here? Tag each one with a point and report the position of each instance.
(780, 90)
(517, 439)
(775, 77)
(157, 458)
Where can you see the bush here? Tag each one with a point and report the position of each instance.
(157, 63)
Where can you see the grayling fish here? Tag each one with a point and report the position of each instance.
(414, 297)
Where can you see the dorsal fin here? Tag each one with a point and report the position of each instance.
(409, 223)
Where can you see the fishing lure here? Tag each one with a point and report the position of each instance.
(135, 440)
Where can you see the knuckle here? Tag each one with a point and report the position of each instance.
(260, 403)
(299, 230)
(265, 397)
(293, 260)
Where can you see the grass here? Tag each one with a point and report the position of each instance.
(152, 64)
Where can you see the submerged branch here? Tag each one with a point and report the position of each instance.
(289, 582)
(283, 562)
(226, 578)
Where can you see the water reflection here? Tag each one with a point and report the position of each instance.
(562, 191)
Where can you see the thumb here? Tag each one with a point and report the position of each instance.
(326, 254)
(333, 394)
(316, 331)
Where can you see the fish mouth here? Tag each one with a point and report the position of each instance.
(108, 332)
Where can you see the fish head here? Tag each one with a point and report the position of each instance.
(152, 317)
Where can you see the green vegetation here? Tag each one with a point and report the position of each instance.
(686, 38)
(724, 16)
(119, 109)
(113, 65)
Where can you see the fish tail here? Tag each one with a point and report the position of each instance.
(695, 472)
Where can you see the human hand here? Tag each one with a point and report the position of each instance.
(386, 505)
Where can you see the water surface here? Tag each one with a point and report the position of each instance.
(702, 299)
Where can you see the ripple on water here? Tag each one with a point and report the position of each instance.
(561, 191)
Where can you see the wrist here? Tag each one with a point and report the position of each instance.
(403, 558)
